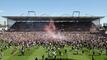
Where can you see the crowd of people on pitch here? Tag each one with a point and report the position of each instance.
(71, 38)
(78, 39)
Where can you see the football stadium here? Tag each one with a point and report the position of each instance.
(53, 38)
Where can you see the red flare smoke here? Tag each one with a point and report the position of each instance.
(50, 27)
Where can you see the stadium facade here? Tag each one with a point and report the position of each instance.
(62, 23)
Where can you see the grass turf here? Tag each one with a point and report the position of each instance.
(33, 52)
(38, 51)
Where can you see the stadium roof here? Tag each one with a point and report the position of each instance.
(54, 18)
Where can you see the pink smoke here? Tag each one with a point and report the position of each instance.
(51, 30)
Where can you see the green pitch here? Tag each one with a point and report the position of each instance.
(38, 51)
(12, 53)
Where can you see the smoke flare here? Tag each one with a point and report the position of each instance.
(51, 30)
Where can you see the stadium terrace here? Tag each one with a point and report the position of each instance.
(57, 37)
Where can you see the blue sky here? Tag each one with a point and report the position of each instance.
(54, 7)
